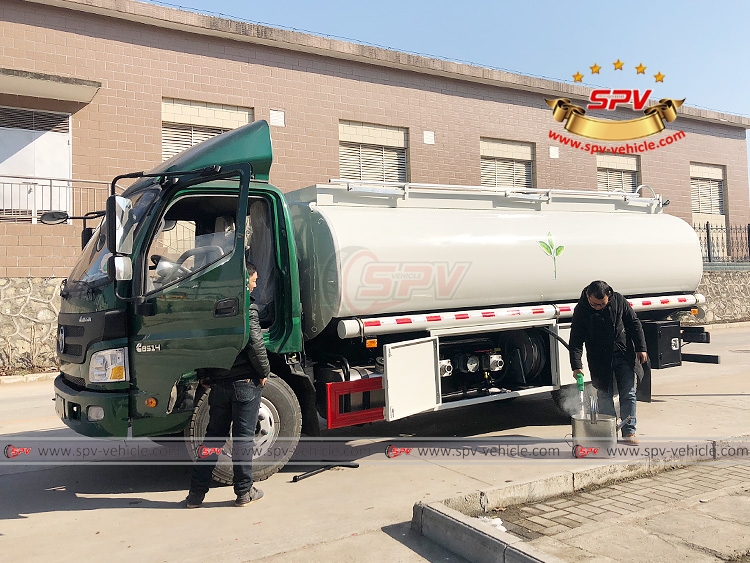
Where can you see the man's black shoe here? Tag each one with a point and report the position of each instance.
(248, 497)
(194, 500)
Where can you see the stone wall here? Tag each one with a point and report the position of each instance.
(727, 291)
(29, 308)
(28, 322)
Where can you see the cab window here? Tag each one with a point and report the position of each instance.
(194, 233)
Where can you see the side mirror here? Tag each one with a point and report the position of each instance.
(119, 268)
(120, 225)
(54, 217)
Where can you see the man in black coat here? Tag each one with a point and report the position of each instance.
(234, 400)
(604, 320)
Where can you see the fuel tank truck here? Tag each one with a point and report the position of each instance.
(378, 300)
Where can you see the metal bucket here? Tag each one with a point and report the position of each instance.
(594, 438)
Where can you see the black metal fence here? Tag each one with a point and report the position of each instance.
(724, 244)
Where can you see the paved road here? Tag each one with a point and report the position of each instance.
(344, 514)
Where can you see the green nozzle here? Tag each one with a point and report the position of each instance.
(579, 381)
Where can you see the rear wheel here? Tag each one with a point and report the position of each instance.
(276, 434)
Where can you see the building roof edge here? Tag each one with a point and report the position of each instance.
(204, 24)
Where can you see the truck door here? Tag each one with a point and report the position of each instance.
(191, 272)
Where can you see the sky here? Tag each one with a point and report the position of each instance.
(701, 48)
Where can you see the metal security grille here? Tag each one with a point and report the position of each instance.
(707, 196)
(506, 173)
(176, 137)
(608, 179)
(33, 120)
(372, 162)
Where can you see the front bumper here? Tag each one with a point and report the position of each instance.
(71, 405)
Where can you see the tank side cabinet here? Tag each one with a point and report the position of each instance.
(665, 341)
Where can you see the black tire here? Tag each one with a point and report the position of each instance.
(281, 419)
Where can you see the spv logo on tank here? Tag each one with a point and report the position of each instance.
(372, 284)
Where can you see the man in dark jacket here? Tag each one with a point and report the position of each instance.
(234, 400)
(604, 320)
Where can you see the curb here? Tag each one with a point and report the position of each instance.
(28, 378)
(461, 535)
(451, 524)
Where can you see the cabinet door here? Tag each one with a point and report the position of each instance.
(411, 378)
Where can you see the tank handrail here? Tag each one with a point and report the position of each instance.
(410, 322)
(530, 194)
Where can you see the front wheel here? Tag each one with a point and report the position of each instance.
(276, 434)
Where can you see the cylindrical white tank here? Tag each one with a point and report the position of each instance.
(366, 259)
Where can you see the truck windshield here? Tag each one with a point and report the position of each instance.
(91, 268)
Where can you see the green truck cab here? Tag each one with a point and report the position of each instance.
(159, 295)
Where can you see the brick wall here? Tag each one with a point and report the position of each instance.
(140, 65)
(28, 251)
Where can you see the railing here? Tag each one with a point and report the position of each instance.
(24, 198)
(724, 244)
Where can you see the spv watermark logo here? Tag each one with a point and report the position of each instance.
(650, 123)
(12, 451)
(371, 284)
(206, 452)
(580, 451)
(392, 451)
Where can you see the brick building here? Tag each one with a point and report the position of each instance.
(94, 88)
(124, 84)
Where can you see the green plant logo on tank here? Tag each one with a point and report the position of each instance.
(551, 250)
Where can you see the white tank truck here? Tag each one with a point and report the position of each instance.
(461, 294)
(378, 300)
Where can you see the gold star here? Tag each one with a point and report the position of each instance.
(618, 64)
(578, 77)
(640, 68)
(595, 69)
(659, 77)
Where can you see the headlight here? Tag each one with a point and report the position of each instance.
(109, 365)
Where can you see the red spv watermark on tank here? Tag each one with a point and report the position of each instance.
(12, 451)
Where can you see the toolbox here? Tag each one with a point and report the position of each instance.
(663, 343)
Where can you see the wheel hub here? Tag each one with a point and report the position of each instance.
(266, 430)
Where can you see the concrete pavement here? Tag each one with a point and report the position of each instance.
(348, 514)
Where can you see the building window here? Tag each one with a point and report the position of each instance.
(176, 137)
(35, 161)
(506, 164)
(616, 172)
(186, 123)
(707, 189)
(372, 152)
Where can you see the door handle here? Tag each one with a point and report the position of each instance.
(227, 308)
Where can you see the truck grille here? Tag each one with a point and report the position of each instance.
(79, 381)
(73, 350)
(78, 331)
(74, 331)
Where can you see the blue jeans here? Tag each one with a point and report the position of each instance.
(624, 372)
(235, 404)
